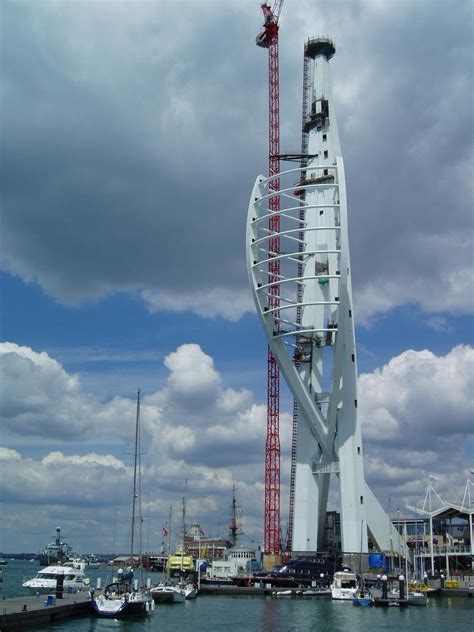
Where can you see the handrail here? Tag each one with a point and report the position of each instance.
(305, 168)
(296, 254)
(303, 207)
(294, 230)
(304, 304)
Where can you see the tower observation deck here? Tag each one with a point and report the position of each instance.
(311, 331)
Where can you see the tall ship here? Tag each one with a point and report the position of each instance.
(56, 552)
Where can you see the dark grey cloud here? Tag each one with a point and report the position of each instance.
(124, 144)
(132, 134)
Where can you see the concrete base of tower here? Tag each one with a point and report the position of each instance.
(270, 560)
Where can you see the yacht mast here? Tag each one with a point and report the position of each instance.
(135, 483)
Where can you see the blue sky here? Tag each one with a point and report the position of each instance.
(129, 153)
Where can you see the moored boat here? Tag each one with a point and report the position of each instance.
(299, 571)
(180, 564)
(56, 552)
(362, 600)
(190, 591)
(46, 580)
(417, 586)
(344, 585)
(125, 597)
(121, 599)
(167, 593)
(77, 562)
(417, 598)
(318, 591)
(92, 562)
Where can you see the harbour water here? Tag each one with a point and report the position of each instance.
(260, 614)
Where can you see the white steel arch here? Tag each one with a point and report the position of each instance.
(314, 326)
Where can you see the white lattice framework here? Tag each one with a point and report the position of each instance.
(311, 332)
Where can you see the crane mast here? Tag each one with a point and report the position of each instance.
(268, 38)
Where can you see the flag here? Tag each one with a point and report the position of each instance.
(201, 532)
(165, 531)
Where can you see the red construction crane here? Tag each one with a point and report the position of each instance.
(268, 38)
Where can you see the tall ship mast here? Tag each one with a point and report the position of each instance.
(234, 529)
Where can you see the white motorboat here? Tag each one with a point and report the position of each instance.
(318, 591)
(344, 585)
(417, 598)
(282, 593)
(414, 597)
(77, 562)
(127, 596)
(46, 580)
(167, 593)
(92, 562)
(190, 591)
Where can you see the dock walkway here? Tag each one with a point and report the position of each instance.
(22, 612)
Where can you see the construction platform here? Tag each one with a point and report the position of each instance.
(22, 612)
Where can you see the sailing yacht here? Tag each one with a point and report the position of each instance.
(124, 596)
(178, 564)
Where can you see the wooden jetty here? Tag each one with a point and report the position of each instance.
(22, 612)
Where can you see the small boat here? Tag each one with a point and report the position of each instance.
(282, 593)
(77, 562)
(344, 585)
(124, 597)
(189, 590)
(417, 598)
(319, 591)
(417, 586)
(360, 600)
(414, 597)
(167, 593)
(92, 562)
(46, 580)
(3, 561)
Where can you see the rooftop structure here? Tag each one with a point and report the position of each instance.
(434, 510)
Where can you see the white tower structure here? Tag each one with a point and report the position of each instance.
(311, 333)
